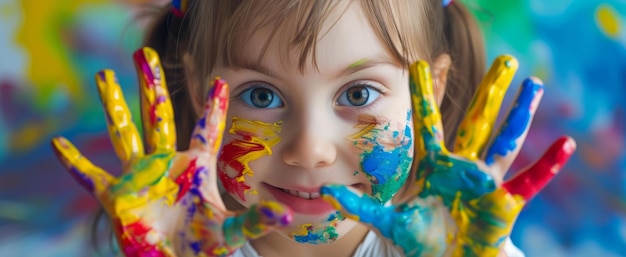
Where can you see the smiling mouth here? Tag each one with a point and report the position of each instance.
(314, 195)
(303, 195)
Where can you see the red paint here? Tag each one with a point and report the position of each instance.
(143, 68)
(317, 206)
(529, 182)
(231, 154)
(133, 240)
(185, 179)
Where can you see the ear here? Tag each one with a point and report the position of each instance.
(441, 66)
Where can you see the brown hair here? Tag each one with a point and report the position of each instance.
(213, 30)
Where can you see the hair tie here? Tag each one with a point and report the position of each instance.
(446, 3)
(179, 7)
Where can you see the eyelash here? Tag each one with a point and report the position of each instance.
(247, 91)
(343, 93)
(365, 84)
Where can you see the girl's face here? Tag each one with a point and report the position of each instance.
(345, 121)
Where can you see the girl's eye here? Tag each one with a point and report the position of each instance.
(261, 97)
(358, 95)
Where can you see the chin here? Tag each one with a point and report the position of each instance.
(317, 229)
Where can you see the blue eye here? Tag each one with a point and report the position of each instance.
(358, 95)
(261, 97)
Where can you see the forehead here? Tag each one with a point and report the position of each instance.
(343, 38)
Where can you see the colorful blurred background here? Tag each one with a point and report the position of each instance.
(50, 50)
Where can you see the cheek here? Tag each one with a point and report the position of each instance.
(249, 141)
(386, 150)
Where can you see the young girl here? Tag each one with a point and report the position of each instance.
(321, 132)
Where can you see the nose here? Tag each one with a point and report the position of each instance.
(311, 146)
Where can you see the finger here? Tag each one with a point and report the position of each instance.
(255, 222)
(91, 177)
(513, 131)
(475, 129)
(156, 107)
(362, 208)
(532, 180)
(426, 116)
(209, 130)
(124, 135)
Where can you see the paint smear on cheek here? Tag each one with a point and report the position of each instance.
(319, 234)
(386, 154)
(254, 140)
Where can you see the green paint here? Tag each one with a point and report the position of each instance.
(358, 63)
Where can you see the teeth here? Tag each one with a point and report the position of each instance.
(303, 195)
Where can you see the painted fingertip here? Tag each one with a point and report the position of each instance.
(275, 213)
(501, 72)
(219, 91)
(506, 61)
(420, 74)
(570, 145)
(567, 147)
(148, 65)
(67, 153)
(103, 80)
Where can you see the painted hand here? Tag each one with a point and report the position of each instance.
(166, 203)
(460, 207)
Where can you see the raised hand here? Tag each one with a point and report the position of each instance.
(460, 207)
(166, 203)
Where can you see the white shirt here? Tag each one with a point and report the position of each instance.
(373, 246)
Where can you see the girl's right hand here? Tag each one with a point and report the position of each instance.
(166, 203)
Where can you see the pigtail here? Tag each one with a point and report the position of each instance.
(467, 51)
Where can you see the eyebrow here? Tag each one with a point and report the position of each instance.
(361, 64)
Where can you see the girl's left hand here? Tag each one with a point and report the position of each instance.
(460, 206)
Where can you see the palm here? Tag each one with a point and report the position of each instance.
(460, 206)
(166, 203)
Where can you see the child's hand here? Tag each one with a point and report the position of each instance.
(461, 207)
(166, 203)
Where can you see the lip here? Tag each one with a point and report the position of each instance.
(316, 206)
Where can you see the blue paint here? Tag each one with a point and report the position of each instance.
(516, 122)
(407, 226)
(387, 169)
(195, 246)
(84, 179)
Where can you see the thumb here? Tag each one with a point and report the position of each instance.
(255, 222)
(360, 207)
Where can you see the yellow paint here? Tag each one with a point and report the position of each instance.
(72, 158)
(363, 130)
(42, 33)
(502, 207)
(124, 135)
(608, 20)
(265, 134)
(476, 127)
(332, 201)
(424, 99)
(161, 136)
(302, 230)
